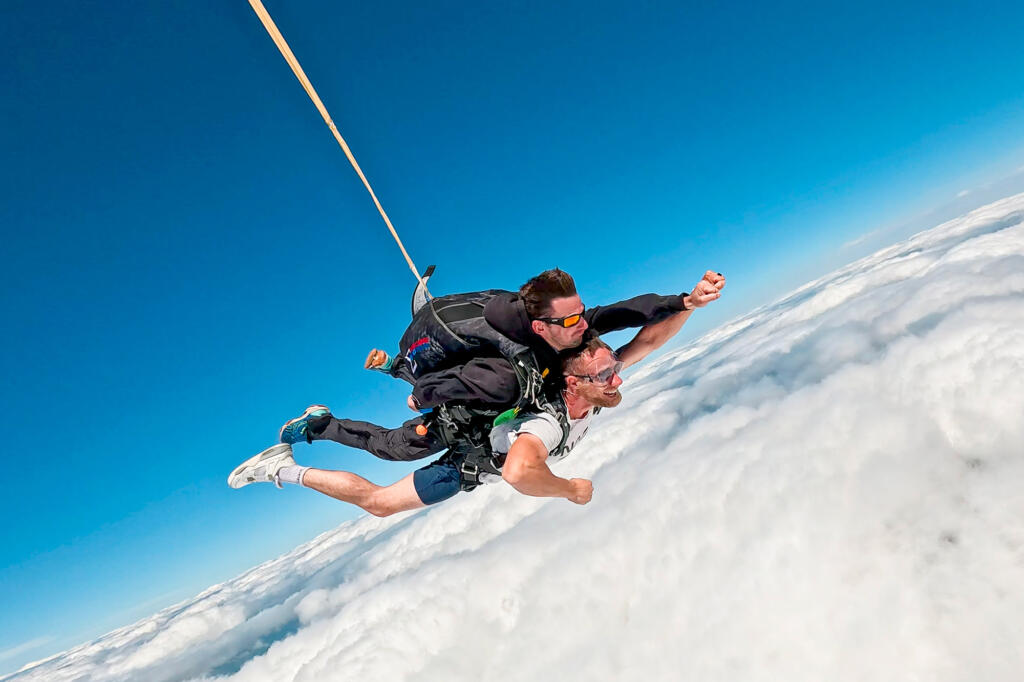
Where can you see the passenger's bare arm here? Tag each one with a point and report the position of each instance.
(527, 471)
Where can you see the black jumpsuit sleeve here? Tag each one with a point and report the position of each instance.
(638, 311)
(487, 381)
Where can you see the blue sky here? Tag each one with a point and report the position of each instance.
(190, 260)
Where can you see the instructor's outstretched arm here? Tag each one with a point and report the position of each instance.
(654, 336)
(527, 471)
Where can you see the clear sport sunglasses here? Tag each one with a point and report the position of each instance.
(602, 377)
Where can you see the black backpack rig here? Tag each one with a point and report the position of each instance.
(450, 330)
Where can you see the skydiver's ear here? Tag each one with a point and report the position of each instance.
(537, 326)
(571, 383)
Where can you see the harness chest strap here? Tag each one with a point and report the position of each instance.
(477, 457)
(467, 432)
(531, 387)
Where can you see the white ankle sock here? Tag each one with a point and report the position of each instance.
(292, 474)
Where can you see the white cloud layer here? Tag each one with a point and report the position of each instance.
(829, 488)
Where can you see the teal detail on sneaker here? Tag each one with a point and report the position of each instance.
(297, 430)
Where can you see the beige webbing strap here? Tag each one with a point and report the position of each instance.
(286, 51)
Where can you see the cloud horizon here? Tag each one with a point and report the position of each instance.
(824, 488)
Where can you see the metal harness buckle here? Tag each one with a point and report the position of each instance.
(469, 477)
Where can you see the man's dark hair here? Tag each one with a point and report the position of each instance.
(574, 361)
(538, 293)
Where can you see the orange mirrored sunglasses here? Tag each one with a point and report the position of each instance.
(567, 321)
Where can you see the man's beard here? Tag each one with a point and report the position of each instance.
(600, 396)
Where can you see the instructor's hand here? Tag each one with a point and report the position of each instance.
(582, 490)
(707, 290)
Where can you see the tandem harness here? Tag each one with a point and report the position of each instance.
(451, 329)
(467, 432)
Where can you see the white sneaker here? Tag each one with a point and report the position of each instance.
(262, 467)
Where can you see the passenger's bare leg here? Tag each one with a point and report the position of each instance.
(376, 499)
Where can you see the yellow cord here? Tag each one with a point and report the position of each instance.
(286, 51)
